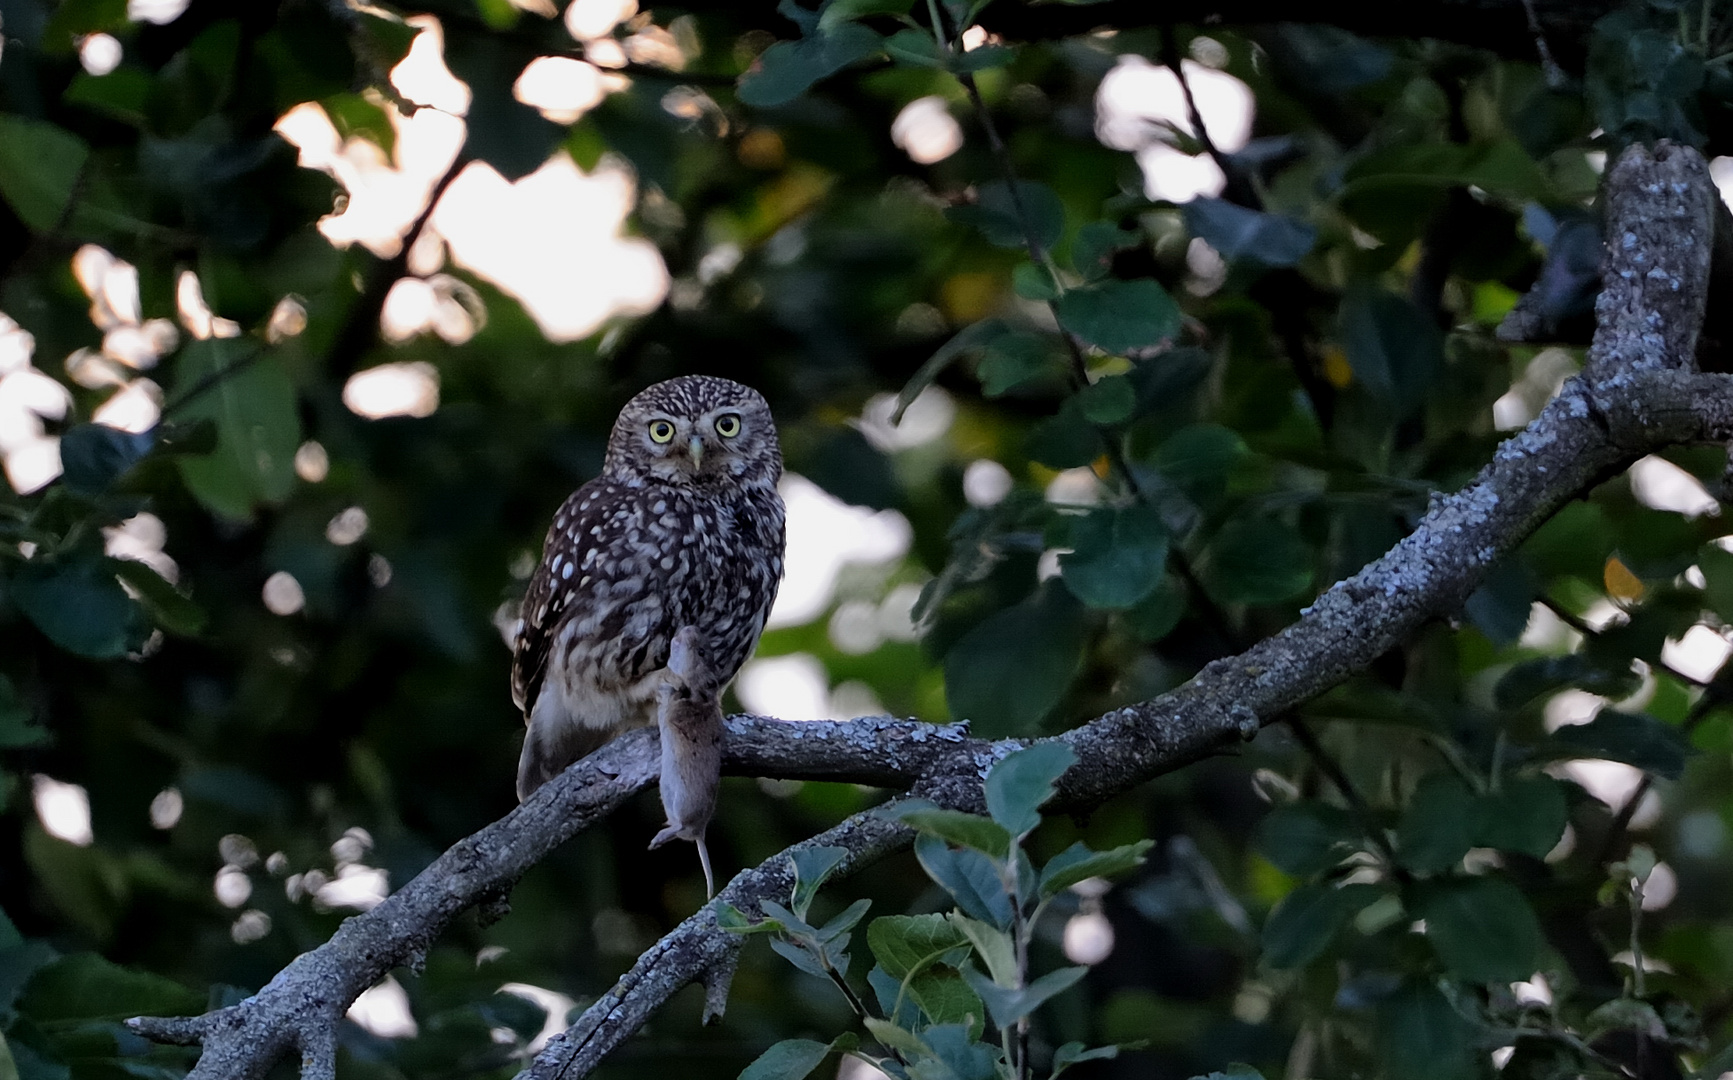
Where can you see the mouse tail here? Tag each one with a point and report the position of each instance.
(704, 861)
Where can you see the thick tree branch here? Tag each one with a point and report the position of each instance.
(300, 1008)
(1659, 236)
(1643, 397)
(1502, 26)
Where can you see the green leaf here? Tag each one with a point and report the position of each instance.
(788, 69)
(172, 611)
(1015, 359)
(997, 215)
(1625, 1014)
(1305, 837)
(790, 1059)
(79, 605)
(905, 943)
(93, 456)
(1498, 167)
(1327, 60)
(1065, 440)
(1007, 1005)
(951, 826)
(1109, 400)
(1633, 738)
(1643, 83)
(969, 876)
(944, 996)
(75, 18)
(1199, 458)
(1528, 814)
(123, 94)
(1118, 556)
(1236, 1071)
(1530, 679)
(993, 945)
(1302, 926)
(1093, 249)
(1240, 233)
(1500, 607)
(1717, 566)
(382, 38)
(1077, 862)
(512, 137)
(522, 1017)
(1119, 316)
(1258, 560)
(1033, 282)
(916, 48)
(85, 986)
(896, 998)
(1434, 833)
(1156, 615)
(1419, 1035)
(812, 867)
(918, 956)
(258, 428)
(40, 166)
(844, 921)
(356, 116)
(979, 59)
(800, 950)
(979, 540)
(840, 11)
(969, 339)
(16, 731)
(1395, 351)
(735, 921)
(1075, 1053)
(892, 1037)
(962, 1055)
(1483, 929)
(1012, 668)
(1023, 781)
(792, 924)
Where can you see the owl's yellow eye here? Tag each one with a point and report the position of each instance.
(728, 425)
(661, 431)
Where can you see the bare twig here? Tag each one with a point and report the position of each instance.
(1556, 79)
(1171, 58)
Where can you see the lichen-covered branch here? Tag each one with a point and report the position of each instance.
(300, 1008)
(1640, 394)
(698, 947)
(1659, 236)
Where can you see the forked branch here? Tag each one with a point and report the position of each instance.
(1639, 395)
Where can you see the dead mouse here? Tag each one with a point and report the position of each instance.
(690, 716)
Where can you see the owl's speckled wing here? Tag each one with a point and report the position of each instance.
(550, 594)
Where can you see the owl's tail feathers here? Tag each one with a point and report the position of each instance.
(546, 757)
(680, 832)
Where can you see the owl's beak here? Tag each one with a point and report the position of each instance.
(697, 445)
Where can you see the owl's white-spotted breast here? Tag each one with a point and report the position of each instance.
(682, 528)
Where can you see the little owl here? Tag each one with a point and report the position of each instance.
(682, 528)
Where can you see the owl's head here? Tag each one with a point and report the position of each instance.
(696, 430)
